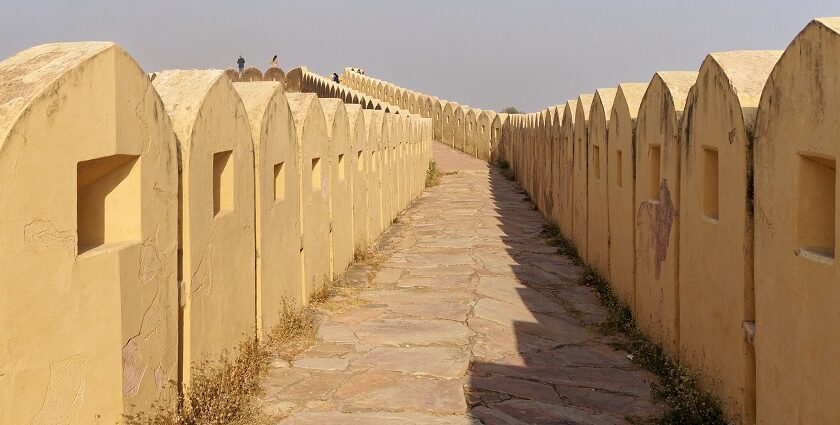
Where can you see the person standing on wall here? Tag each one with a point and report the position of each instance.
(335, 78)
(241, 63)
(274, 62)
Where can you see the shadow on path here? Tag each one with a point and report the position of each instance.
(539, 357)
(472, 318)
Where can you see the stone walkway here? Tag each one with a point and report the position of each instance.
(472, 319)
(450, 159)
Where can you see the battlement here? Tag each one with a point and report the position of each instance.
(149, 223)
(708, 198)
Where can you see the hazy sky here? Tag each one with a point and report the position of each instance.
(487, 54)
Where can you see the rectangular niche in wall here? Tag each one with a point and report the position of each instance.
(316, 173)
(816, 205)
(596, 161)
(619, 169)
(107, 201)
(222, 182)
(279, 181)
(341, 167)
(360, 161)
(655, 176)
(711, 191)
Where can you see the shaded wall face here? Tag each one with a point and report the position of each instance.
(715, 249)
(621, 195)
(580, 163)
(598, 238)
(565, 208)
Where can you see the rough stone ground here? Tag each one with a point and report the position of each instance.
(471, 319)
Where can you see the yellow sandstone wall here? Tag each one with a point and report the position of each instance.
(216, 177)
(340, 185)
(564, 207)
(721, 206)
(598, 238)
(621, 173)
(657, 205)
(716, 261)
(88, 235)
(92, 267)
(374, 122)
(796, 219)
(314, 157)
(459, 130)
(472, 132)
(580, 134)
(359, 157)
(277, 199)
(684, 217)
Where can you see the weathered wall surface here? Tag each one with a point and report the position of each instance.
(685, 216)
(621, 173)
(598, 239)
(88, 236)
(314, 154)
(796, 218)
(216, 176)
(459, 129)
(341, 183)
(471, 135)
(657, 206)
(580, 162)
(168, 180)
(359, 152)
(716, 261)
(720, 204)
(564, 209)
(277, 199)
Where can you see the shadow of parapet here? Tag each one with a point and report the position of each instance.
(539, 357)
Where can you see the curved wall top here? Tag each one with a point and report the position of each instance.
(81, 125)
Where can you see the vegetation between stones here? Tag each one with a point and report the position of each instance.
(504, 165)
(227, 391)
(678, 387)
(432, 175)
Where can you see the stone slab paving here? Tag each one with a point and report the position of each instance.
(471, 319)
(449, 159)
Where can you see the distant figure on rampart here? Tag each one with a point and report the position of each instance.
(335, 78)
(274, 62)
(241, 63)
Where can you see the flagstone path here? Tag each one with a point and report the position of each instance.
(471, 319)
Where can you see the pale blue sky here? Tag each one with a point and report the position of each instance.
(488, 54)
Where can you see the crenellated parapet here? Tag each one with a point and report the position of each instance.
(708, 198)
(150, 222)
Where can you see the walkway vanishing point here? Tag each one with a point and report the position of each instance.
(471, 319)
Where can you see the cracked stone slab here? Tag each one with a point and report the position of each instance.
(472, 318)
(394, 391)
(442, 362)
(322, 363)
(411, 331)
